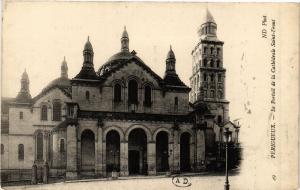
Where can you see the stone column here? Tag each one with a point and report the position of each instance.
(151, 158)
(34, 174)
(55, 150)
(99, 154)
(104, 159)
(124, 158)
(192, 153)
(171, 156)
(45, 146)
(71, 153)
(176, 150)
(200, 146)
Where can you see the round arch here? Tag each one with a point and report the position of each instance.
(162, 129)
(190, 132)
(132, 77)
(87, 128)
(118, 81)
(87, 150)
(136, 126)
(115, 128)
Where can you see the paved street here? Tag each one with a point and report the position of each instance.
(148, 183)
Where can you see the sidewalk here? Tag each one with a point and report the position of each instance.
(137, 177)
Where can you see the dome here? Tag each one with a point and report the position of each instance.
(116, 60)
(60, 82)
(121, 55)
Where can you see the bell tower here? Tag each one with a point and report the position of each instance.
(208, 74)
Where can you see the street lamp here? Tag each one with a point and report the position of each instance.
(227, 137)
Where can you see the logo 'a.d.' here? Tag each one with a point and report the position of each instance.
(181, 181)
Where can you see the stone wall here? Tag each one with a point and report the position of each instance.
(151, 129)
(101, 97)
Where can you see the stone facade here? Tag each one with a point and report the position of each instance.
(123, 118)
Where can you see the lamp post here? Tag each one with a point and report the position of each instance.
(227, 136)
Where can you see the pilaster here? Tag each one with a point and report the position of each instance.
(99, 153)
(124, 159)
(72, 171)
(151, 158)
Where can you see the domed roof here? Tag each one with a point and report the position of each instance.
(116, 60)
(61, 82)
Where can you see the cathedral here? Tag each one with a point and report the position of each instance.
(122, 118)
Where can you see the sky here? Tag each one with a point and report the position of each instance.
(36, 37)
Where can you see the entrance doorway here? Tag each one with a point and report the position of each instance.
(112, 151)
(162, 152)
(185, 152)
(87, 151)
(137, 152)
(134, 165)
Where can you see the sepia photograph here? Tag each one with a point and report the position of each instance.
(149, 95)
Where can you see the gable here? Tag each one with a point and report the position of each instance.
(50, 95)
(134, 69)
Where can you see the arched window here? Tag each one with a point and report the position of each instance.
(205, 93)
(39, 146)
(218, 63)
(205, 77)
(132, 92)
(219, 119)
(87, 95)
(212, 93)
(176, 102)
(211, 50)
(147, 95)
(21, 115)
(218, 51)
(205, 62)
(212, 77)
(56, 111)
(211, 63)
(44, 113)
(62, 145)
(2, 149)
(117, 93)
(219, 78)
(21, 152)
(220, 94)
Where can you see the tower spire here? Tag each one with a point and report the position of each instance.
(64, 68)
(88, 54)
(208, 28)
(24, 94)
(125, 41)
(170, 62)
(87, 70)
